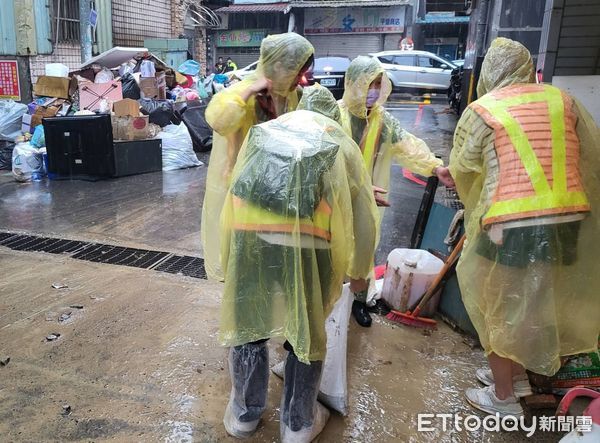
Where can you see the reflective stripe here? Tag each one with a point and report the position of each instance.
(249, 217)
(547, 200)
(370, 139)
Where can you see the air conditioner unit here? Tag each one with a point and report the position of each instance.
(223, 19)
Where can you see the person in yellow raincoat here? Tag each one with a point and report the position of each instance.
(382, 141)
(526, 161)
(264, 95)
(298, 217)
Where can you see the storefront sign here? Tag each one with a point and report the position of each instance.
(239, 38)
(354, 20)
(9, 80)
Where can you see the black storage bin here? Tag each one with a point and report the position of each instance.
(82, 147)
(137, 157)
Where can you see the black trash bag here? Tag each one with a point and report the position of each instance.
(161, 112)
(192, 115)
(6, 150)
(130, 87)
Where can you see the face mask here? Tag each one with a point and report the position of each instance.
(372, 96)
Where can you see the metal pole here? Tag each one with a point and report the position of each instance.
(85, 30)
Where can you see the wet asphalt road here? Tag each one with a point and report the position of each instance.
(161, 211)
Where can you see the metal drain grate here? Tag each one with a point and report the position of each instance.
(117, 255)
(183, 265)
(4, 236)
(110, 254)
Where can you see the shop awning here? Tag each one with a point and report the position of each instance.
(440, 18)
(348, 3)
(264, 7)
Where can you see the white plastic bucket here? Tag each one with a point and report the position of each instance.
(408, 274)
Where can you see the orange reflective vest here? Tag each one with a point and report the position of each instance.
(249, 217)
(538, 153)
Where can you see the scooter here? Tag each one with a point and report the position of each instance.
(593, 410)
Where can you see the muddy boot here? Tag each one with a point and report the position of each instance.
(249, 371)
(361, 313)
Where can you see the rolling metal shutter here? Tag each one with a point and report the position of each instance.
(346, 44)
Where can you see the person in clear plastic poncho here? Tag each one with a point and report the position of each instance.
(526, 161)
(264, 95)
(382, 141)
(298, 217)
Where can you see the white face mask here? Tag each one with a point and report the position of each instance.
(372, 97)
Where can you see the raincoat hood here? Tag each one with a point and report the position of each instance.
(359, 76)
(319, 99)
(281, 58)
(506, 63)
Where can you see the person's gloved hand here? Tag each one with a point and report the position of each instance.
(444, 176)
(378, 199)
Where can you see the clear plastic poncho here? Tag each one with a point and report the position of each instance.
(282, 274)
(281, 58)
(394, 143)
(534, 297)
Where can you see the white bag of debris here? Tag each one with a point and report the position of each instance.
(11, 114)
(177, 148)
(26, 161)
(333, 391)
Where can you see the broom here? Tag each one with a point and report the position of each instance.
(412, 318)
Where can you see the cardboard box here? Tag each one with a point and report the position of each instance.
(131, 128)
(59, 87)
(91, 94)
(50, 109)
(126, 108)
(154, 87)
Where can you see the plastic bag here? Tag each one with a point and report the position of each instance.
(177, 148)
(38, 139)
(104, 76)
(26, 161)
(189, 67)
(126, 68)
(130, 87)
(11, 114)
(6, 150)
(160, 111)
(334, 381)
(201, 133)
(57, 70)
(147, 68)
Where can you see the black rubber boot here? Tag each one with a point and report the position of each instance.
(361, 314)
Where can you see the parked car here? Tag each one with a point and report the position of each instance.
(458, 63)
(242, 73)
(330, 72)
(416, 70)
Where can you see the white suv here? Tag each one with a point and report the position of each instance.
(416, 69)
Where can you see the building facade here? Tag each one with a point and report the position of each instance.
(36, 32)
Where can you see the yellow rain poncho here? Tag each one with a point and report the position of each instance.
(381, 138)
(281, 58)
(530, 285)
(297, 219)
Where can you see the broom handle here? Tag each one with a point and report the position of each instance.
(436, 282)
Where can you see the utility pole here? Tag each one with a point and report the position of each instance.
(85, 30)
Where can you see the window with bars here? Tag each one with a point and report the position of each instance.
(65, 21)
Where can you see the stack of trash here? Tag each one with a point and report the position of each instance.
(145, 97)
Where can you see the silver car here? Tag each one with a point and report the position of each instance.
(416, 70)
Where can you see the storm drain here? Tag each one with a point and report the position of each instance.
(109, 254)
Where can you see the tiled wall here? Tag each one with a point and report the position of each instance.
(66, 53)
